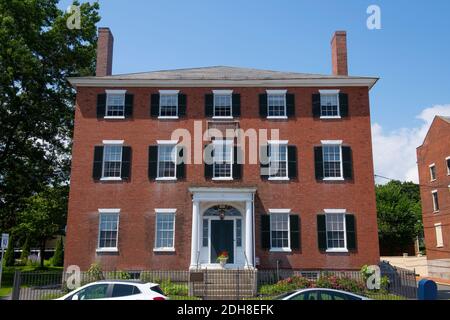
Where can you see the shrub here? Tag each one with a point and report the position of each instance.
(174, 289)
(285, 285)
(123, 275)
(25, 252)
(95, 272)
(33, 260)
(58, 257)
(8, 259)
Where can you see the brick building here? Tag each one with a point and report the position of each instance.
(143, 197)
(433, 159)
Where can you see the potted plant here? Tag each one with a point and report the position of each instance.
(223, 258)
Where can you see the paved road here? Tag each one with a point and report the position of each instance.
(443, 292)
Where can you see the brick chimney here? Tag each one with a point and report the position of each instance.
(339, 53)
(105, 45)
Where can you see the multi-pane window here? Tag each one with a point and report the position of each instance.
(432, 172)
(223, 159)
(329, 105)
(238, 233)
(448, 165)
(332, 162)
(168, 105)
(435, 200)
(112, 161)
(115, 105)
(277, 160)
(279, 231)
(276, 105)
(165, 230)
(108, 230)
(438, 232)
(336, 231)
(205, 235)
(222, 105)
(166, 161)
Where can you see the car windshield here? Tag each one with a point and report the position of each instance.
(284, 295)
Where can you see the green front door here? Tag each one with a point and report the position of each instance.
(222, 239)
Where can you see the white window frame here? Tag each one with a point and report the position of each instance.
(107, 143)
(168, 93)
(332, 143)
(448, 168)
(329, 93)
(435, 210)
(431, 166)
(221, 142)
(105, 212)
(222, 92)
(164, 211)
(109, 92)
(342, 212)
(166, 143)
(439, 236)
(279, 142)
(287, 212)
(277, 92)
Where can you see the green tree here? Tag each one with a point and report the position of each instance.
(8, 259)
(44, 216)
(399, 213)
(38, 52)
(25, 250)
(58, 256)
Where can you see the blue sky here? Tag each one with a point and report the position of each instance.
(410, 53)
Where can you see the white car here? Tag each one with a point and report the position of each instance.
(116, 290)
(320, 294)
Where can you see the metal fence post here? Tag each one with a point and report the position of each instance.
(16, 285)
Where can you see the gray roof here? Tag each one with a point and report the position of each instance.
(447, 119)
(222, 73)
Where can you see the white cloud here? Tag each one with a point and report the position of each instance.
(395, 151)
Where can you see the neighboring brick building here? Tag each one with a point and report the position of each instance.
(308, 202)
(433, 159)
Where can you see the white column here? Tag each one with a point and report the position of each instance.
(249, 233)
(194, 239)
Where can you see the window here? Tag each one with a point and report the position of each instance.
(223, 159)
(238, 233)
(108, 230)
(115, 104)
(439, 239)
(165, 230)
(123, 290)
(432, 172)
(448, 165)
(336, 238)
(205, 235)
(434, 193)
(167, 161)
(279, 231)
(278, 160)
(168, 104)
(329, 104)
(332, 161)
(223, 103)
(112, 161)
(276, 104)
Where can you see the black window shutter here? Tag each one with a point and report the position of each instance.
(350, 227)
(290, 105)
(181, 174)
(208, 168)
(322, 232)
(152, 162)
(209, 105)
(126, 163)
(318, 160)
(263, 154)
(154, 105)
(237, 167)
(292, 162)
(316, 105)
(182, 103)
(98, 163)
(236, 105)
(343, 105)
(101, 105)
(294, 225)
(265, 231)
(129, 98)
(263, 105)
(347, 165)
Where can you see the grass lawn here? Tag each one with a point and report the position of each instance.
(5, 291)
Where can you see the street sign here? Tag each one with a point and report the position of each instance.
(5, 240)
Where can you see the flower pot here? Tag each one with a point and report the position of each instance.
(222, 263)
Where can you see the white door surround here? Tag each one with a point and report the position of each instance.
(241, 199)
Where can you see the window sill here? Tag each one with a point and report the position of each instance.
(333, 179)
(436, 211)
(166, 179)
(168, 118)
(101, 250)
(111, 179)
(164, 250)
(433, 180)
(223, 179)
(278, 179)
(280, 250)
(277, 117)
(114, 117)
(330, 117)
(337, 251)
(222, 118)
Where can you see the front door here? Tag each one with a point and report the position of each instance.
(222, 239)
